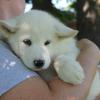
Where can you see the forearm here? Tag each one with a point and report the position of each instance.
(78, 92)
(89, 58)
(11, 8)
(31, 89)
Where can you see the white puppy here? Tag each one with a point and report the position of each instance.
(40, 40)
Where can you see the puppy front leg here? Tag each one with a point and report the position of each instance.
(69, 70)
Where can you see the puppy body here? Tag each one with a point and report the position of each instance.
(40, 40)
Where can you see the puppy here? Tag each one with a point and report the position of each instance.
(46, 45)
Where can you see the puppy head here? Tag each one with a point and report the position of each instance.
(32, 37)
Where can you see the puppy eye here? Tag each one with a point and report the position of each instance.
(27, 42)
(47, 42)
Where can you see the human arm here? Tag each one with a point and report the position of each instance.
(88, 58)
(11, 8)
(37, 89)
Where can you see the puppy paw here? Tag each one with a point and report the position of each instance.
(69, 70)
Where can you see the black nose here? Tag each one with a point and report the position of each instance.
(38, 63)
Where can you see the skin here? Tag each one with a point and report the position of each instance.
(35, 88)
(11, 8)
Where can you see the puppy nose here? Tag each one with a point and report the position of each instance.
(38, 63)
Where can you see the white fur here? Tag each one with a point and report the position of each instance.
(39, 27)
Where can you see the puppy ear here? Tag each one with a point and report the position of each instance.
(64, 31)
(7, 28)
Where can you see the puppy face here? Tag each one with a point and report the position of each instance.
(32, 46)
(35, 37)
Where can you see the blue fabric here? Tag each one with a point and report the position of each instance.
(12, 71)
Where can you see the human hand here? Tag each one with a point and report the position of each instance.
(89, 59)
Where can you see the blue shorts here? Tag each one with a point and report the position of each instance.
(12, 71)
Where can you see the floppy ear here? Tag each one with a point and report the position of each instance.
(64, 31)
(7, 28)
